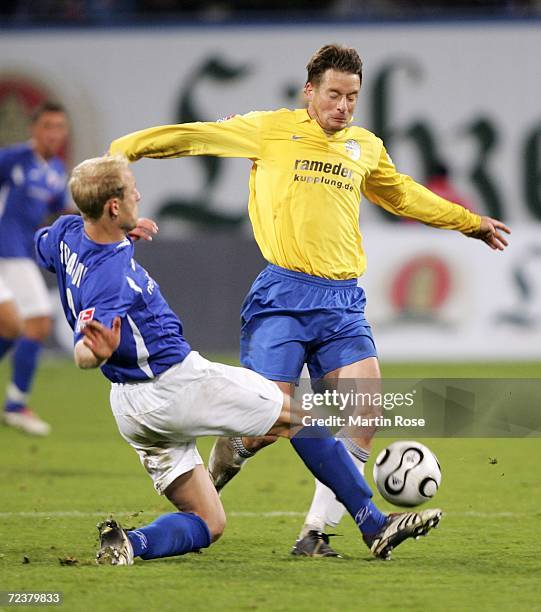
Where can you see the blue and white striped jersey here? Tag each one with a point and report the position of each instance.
(101, 281)
(30, 190)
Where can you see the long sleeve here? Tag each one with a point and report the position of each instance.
(239, 136)
(400, 195)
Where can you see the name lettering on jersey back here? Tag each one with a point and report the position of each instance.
(326, 168)
(74, 268)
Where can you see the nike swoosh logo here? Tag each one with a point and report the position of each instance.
(295, 137)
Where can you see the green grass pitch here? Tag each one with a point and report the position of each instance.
(484, 556)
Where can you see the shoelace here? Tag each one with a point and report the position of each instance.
(325, 536)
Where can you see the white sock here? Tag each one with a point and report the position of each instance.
(241, 451)
(325, 508)
(14, 394)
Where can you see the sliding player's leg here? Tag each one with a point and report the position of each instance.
(200, 520)
(229, 455)
(160, 419)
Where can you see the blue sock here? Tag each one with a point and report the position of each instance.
(170, 535)
(5, 345)
(330, 463)
(25, 362)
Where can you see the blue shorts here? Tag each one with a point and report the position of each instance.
(290, 318)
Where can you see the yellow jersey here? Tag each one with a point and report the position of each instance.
(305, 186)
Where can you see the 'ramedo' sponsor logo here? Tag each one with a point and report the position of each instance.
(327, 168)
(338, 170)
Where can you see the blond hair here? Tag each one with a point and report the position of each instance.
(95, 181)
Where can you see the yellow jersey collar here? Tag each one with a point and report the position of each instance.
(302, 116)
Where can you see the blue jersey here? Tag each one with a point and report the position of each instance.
(30, 190)
(101, 281)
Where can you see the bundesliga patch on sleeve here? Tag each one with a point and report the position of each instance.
(84, 317)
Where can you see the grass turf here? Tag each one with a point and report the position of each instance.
(55, 490)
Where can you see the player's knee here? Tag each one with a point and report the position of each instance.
(11, 324)
(38, 328)
(12, 329)
(216, 524)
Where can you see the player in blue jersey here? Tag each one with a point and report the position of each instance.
(164, 395)
(32, 188)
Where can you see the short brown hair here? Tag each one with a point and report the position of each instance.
(46, 107)
(335, 57)
(95, 181)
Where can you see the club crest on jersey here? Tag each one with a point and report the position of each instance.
(353, 149)
(84, 317)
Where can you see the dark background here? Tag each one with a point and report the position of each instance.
(106, 12)
(193, 277)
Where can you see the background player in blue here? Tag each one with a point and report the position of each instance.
(164, 395)
(32, 188)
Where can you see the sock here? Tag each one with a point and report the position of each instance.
(359, 455)
(170, 535)
(240, 449)
(316, 519)
(25, 361)
(5, 345)
(331, 464)
(325, 508)
(16, 400)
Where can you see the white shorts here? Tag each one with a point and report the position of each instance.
(21, 281)
(162, 418)
(6, 295)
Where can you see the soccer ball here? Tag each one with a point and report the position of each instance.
(407, 473)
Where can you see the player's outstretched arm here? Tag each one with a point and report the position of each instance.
(490, 232)
(98, 344)
(239, 136)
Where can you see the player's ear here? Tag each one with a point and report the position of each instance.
(112, 207)
(308, 90)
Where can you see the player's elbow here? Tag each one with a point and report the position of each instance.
(84, 365)
(81, 362)
(84, 358)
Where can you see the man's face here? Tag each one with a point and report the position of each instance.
(49, 133)
(332, 102)
(128, 207)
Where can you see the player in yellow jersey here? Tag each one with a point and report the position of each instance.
(310, 169)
